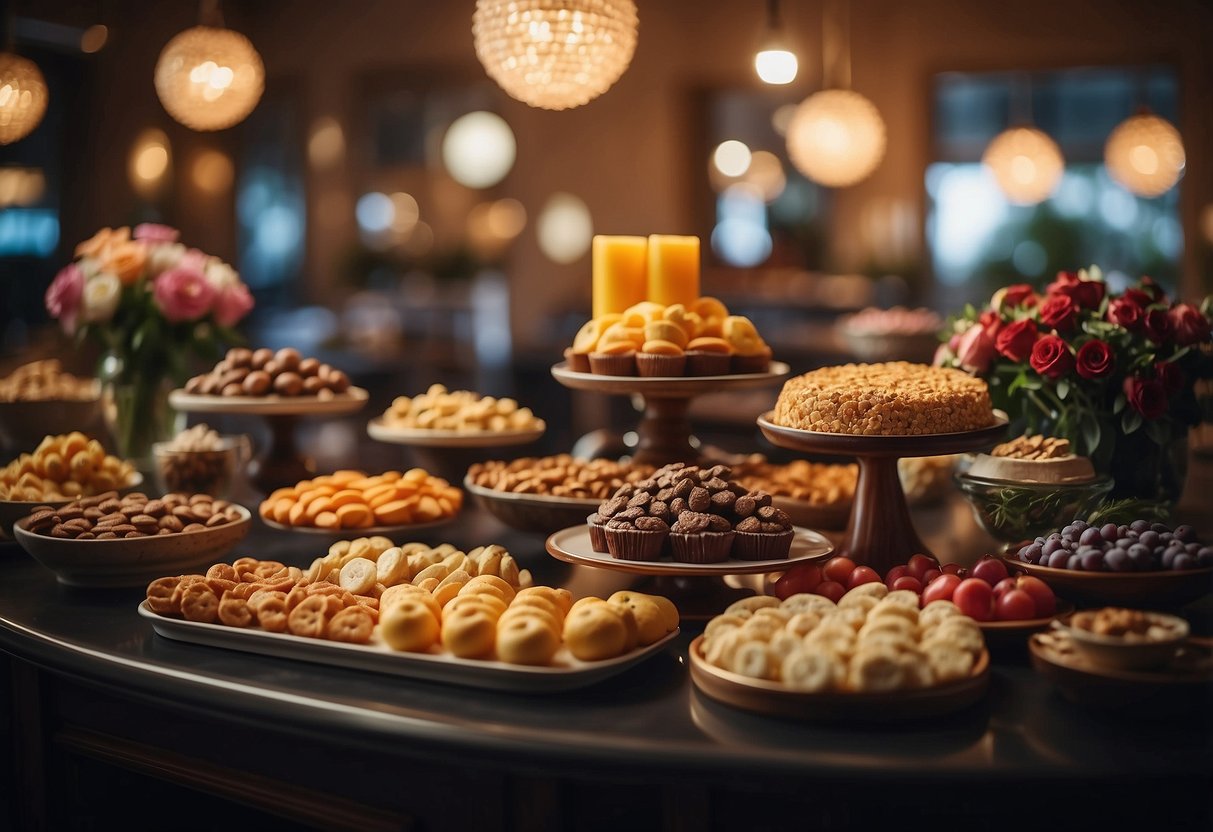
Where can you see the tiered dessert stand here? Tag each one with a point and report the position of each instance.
(283, 464)
(665, 436)
(880, 532)
(448, 453)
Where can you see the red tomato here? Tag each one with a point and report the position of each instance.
(1046, 601)
(862, 575)
(1015, 605)
(838, 570)
(975, 598)
(940, 589)
(990, 569)
(894, 573)
(803, 577)
(952, 569)
(908, 582)
(831, 589)
(1003, 587)
(928, 576)
(919, 564)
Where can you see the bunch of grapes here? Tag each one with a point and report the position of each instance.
(1141, 546)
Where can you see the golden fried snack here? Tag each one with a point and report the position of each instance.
(459, 410)
(354, 500)
(64, 467)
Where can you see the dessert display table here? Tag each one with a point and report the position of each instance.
(98, 699)
(880, 532)
(283, 464)
(664, 429)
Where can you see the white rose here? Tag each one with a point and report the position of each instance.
(101, 296)
(89, 266)
(163, 257)
(221, 275)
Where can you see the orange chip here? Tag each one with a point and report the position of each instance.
(282, 492)
(395, 513)
(327, 520)
(315, 492)
(282, 509)
(315, 508)
(379, 490)
(295, 516)
(416, 475)
(347, 476)
(354, 516)
(345, 497)
(618, 348)
(428, 509)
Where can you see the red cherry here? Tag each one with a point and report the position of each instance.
(990, 569)
(862, 575)
(930, 575)
(908, 582)
(941, 589)
(803, 577)
(838, 569)
(919, 564)
(894, 573)
(831, 589)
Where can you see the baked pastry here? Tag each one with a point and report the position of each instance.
(700, 537)
(763, 532)
(891, 399)
(708, 356)
(750, 353)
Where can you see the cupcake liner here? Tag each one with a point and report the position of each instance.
(604, 364)
(664, 366)
(579, 362)
(598, 541)
(763, 545)
(634, 544)
(708, 363)
(703, 547)
(760, 363)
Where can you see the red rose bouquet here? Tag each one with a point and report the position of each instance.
(1115, 374)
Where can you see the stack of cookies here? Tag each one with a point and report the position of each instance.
(695, 515)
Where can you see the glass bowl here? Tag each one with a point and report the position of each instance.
(1016, 511)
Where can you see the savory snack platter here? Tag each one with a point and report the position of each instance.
(382, 431)
(350, 500)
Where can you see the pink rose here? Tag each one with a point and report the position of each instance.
(64, 295)
(194, 260)
(183, 294)
(976, 349)
(1190, 326)
(156, 233)
(232, 304)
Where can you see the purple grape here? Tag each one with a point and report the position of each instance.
(1070, 531)
(1051, 546)
(1093, 561)
(1039, 540)
(1168, 558)
(1118, 560)
(1193, 548)
(1186, 533)
(1166, 537)
(1090, 536)
(1139, 525)
(1160, 527)
(1032, 552)
(1150, 539)
(1059, 559)
(1109, 531)
(1143, 559)
(1205, 557)
(1138, 550)
(1074, 562)
(1122, 530)
(1184, 561)
(1133, 534)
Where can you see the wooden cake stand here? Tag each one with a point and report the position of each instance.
(664, 429)
(449, 453)
(283, 464)
(880, 532)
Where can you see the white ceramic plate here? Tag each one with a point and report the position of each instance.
(350, 401)
(573, 545)
(377, 429)
(566, 672)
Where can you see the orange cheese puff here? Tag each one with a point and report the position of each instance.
(708, 344)
(354, 516)
(661, 348)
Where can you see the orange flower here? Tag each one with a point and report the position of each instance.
(126, 260)
(100, 243)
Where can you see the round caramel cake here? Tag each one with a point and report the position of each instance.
(892, 399)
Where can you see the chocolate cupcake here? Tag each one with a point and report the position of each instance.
(597, 524)
(698, 537)
(636, 538)
(613, 363)
(763, 532)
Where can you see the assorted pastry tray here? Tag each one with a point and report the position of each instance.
(565, 672)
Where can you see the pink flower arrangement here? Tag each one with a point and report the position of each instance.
(1100, 369)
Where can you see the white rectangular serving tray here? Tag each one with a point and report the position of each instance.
(565, 673)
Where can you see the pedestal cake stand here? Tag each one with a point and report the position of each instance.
(283, 464)
(664, 429)
(880, 532)
(449, 453)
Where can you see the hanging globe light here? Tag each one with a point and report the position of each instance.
(1145, 154)
(23, 97)
(1026, 163)
(555, 54)
(836, 137)
(209, 78)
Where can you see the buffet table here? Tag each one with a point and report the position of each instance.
(98, 702)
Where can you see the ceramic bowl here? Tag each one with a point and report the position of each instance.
(1120, 653)
(13, 510)
(133, 561)
(1015, 511)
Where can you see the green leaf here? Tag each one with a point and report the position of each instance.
(1090, 433)
(1119, 404)
(1158, 432)
(1130, 421)
(1063, 388)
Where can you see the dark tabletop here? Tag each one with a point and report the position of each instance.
(650, 717)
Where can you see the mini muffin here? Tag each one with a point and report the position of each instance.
(698, 537)
(597, 524)
(763, 531)
(708, 357)
(586, 342)
(661, 359)
(617, 359)
(750, 352)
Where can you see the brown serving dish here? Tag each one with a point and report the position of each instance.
(1124, 589)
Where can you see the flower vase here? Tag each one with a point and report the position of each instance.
(136, 409)
(1145, 470)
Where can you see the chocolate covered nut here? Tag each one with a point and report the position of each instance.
(683, 487)
(715, 484)
(239, 357)
(750, 524)
(216, 520)
(665, 494)
(261, 356)
(312, 385)
(678, 505)
(774, 515)
(338, 381)
(70, 512)
(288, 358)
(134, 534)
(257, 383)
(232, 389)
(613, 523)
(773, 528)
(658, 508)
(171, 522)
(723, 500)
(155, 508)
(716, 523)
(641, 499)
(59, 531)
(93, 513)
(164, 531)
(288, 384)
(651, 524)
(745, 506)
(691, 522)
(613, 506)
(700, 499)
(40, 520)
(211, 386)
(630, 513)
(308, 367)
(86, 536)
